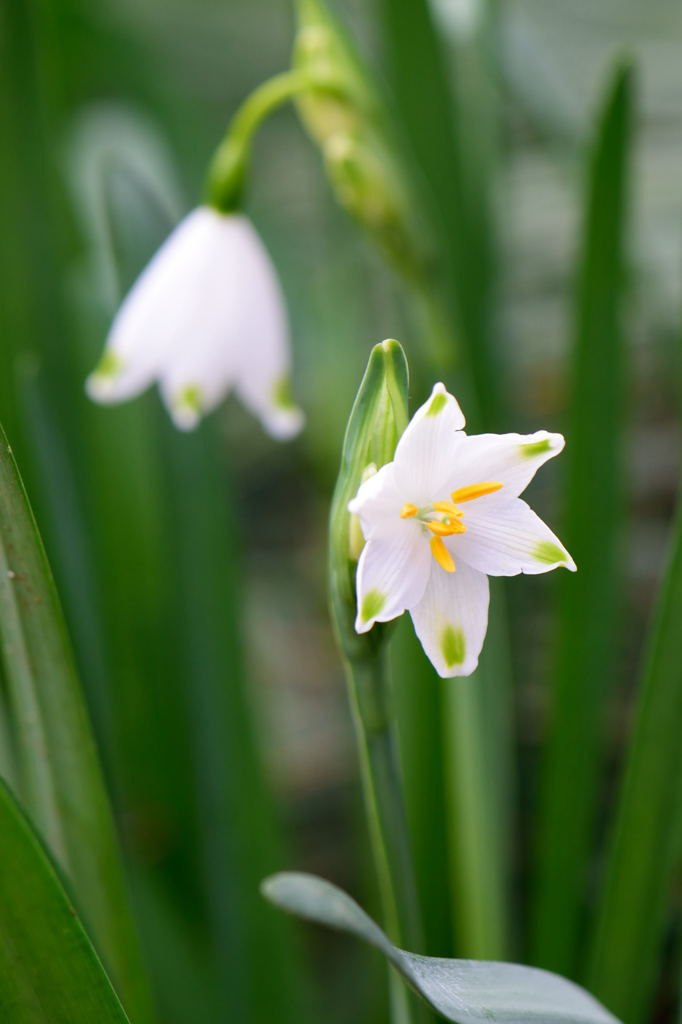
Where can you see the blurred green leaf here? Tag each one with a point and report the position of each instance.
(589, 599)
(49, 972)
(59, 777)
(464, 991)
(645, 842)
(454, 168)
(238, 836)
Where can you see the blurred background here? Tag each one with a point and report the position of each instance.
(192, 568)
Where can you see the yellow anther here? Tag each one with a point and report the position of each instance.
(408, 510)
(448, 508)
(442, 555)
(447, 528)
(475, 491)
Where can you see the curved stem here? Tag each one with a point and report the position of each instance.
(226, 174)
(265, 99)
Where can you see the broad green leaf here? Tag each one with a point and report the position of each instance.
(586, 641)
(645, 842)
(464, 991)
(49, 972)
(58, 774)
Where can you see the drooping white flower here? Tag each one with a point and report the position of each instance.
(439, 519)
(205, 316)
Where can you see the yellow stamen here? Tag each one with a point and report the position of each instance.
(408, 510)
(448, 508)
(475, 491)
(442, 555)
(447, 528)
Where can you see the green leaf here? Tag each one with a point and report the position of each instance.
(49, 972)
(589, 599)
(645, 843)
(464, 991)
(58, 774)
(454, 182)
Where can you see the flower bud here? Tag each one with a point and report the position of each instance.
(344, 115)
(377, 420)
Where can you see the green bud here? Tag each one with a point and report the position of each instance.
(344, 114)
(377, 419)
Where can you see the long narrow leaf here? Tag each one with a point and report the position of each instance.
(49, 972)
(476, 749)
(454, 169)
(60, 780)
(589, 599)
(645, 842)
(238, 834)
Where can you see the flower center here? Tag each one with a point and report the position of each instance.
(444, 518)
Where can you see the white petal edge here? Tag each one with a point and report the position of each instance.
(452, 618)
(392, 574)
(265, 356)
(509, 459)
(426, 454)
(506, 540)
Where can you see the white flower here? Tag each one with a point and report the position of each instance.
(206, 315)
(440, 519)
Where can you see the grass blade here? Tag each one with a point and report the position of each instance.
(59, 774)
(589, 599)
(49, 972)
(645, 847)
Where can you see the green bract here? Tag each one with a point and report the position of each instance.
(344, 114)
(377, 419)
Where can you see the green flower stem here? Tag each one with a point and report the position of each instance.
(368, 689)
(226, 174)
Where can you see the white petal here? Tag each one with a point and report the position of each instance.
(392, 573)
(378, 502)
(427, 451)
(451, 619)
(509, 459)
(504, 540)
(159, 310)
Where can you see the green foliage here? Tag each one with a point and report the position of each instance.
(58, 773)
(644, 850)
(589, 599)
(49, 972)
